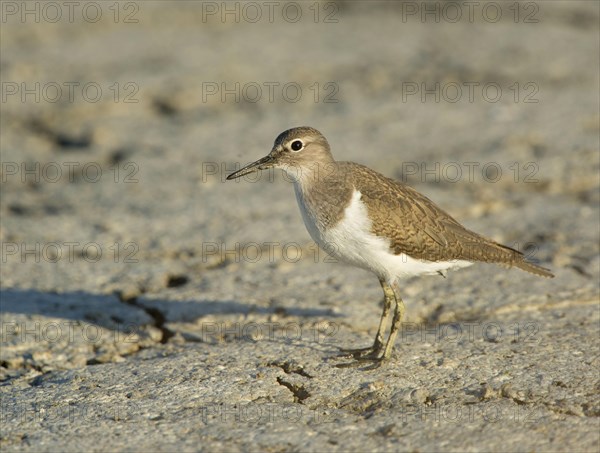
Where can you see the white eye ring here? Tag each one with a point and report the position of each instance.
(294, 146)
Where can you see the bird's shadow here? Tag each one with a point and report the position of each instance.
(112, 312)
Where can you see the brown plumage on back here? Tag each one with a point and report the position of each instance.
(419, 228)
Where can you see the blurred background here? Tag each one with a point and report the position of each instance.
(120, 120)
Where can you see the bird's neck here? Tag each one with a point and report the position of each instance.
(314, 174)
(323, 193)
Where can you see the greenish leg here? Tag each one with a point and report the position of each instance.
(396, 322)
(388, 297)
(375, 359)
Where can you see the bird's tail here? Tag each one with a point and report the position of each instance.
(517, 259)
(533, 268)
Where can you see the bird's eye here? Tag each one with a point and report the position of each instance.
(297, 145)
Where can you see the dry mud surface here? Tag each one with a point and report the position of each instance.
(148, 305)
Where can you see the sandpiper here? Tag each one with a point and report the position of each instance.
(365, 219)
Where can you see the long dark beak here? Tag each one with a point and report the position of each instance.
(260, 164)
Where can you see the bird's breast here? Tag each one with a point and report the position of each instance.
(310, 215)
(347, 237)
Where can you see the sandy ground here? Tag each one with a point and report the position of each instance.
(148, 305)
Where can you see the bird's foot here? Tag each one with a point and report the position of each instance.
(370, 351)
(373, 361)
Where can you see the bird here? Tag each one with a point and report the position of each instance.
(365, 219)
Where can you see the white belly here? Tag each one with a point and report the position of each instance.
(351, 241)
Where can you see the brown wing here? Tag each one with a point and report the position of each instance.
(420, 229)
